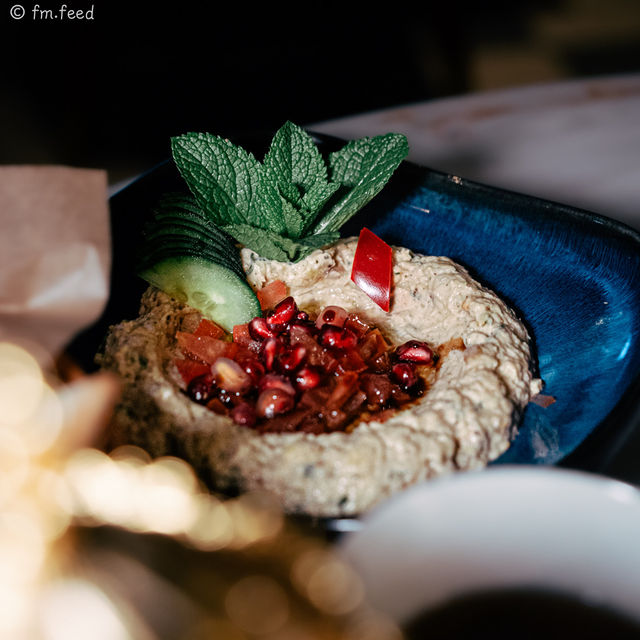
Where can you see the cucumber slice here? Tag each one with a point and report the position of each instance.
(214, 290)
(158, 251)
(180, 202)
(186, 232)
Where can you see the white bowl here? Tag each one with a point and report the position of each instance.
(502, 527)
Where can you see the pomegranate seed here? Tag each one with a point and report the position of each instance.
(254, 368)
(271, 347)
(307, 378)
(405, 374)
(230, 376)
(283, 313)
(201, 389)
(243, 414)
(333, 315)
(415, 351)
(302, 315)
(332, 336)
(259, 330)
(276, 381)
(292, 358)
(348, 339)
(272, 402)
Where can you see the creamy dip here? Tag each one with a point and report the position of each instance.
(466, 419)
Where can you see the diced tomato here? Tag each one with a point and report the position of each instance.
(344, 388)
(284, 423)
(246, 352)
(232, 350)
(542, 400)
(216, 406)
(372, 268)
(351, 360)
(356, 324)
(190, 369)
(315, 399)
(373, 345)
(271, 294)
(241, 334)
(209, 328)
(202, 348)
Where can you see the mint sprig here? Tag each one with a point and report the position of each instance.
(292, 202)
(226, 181)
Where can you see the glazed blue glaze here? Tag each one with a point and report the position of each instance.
(573, 279)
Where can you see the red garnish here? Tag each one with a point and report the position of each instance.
(241, 334)
(209, 328)
(271, 294)
(285, 371)
(202, 348)
(542, 400)
(190, 369)
(372, 266)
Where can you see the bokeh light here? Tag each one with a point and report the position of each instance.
(51, 490)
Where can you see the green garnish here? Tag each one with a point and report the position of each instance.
(292, 202)
(283, 208)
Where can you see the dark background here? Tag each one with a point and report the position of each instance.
(109, 92)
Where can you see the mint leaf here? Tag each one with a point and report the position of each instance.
(294, 220)
(297, 168)
(315, 199)
(295, 161)
(272, 246)
(227, 182)
(267, 244)
(364, 166)
(319, 239)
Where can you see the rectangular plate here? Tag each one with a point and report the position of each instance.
(571, 276)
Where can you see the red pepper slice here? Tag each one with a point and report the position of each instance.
(372, 266)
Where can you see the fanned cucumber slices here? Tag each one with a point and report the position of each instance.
(191, 259)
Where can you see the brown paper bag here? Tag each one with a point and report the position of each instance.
(54, 253)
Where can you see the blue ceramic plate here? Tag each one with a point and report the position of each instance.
(574, 279)
(572, 276)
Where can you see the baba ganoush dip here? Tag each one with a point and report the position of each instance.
(466, 418)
